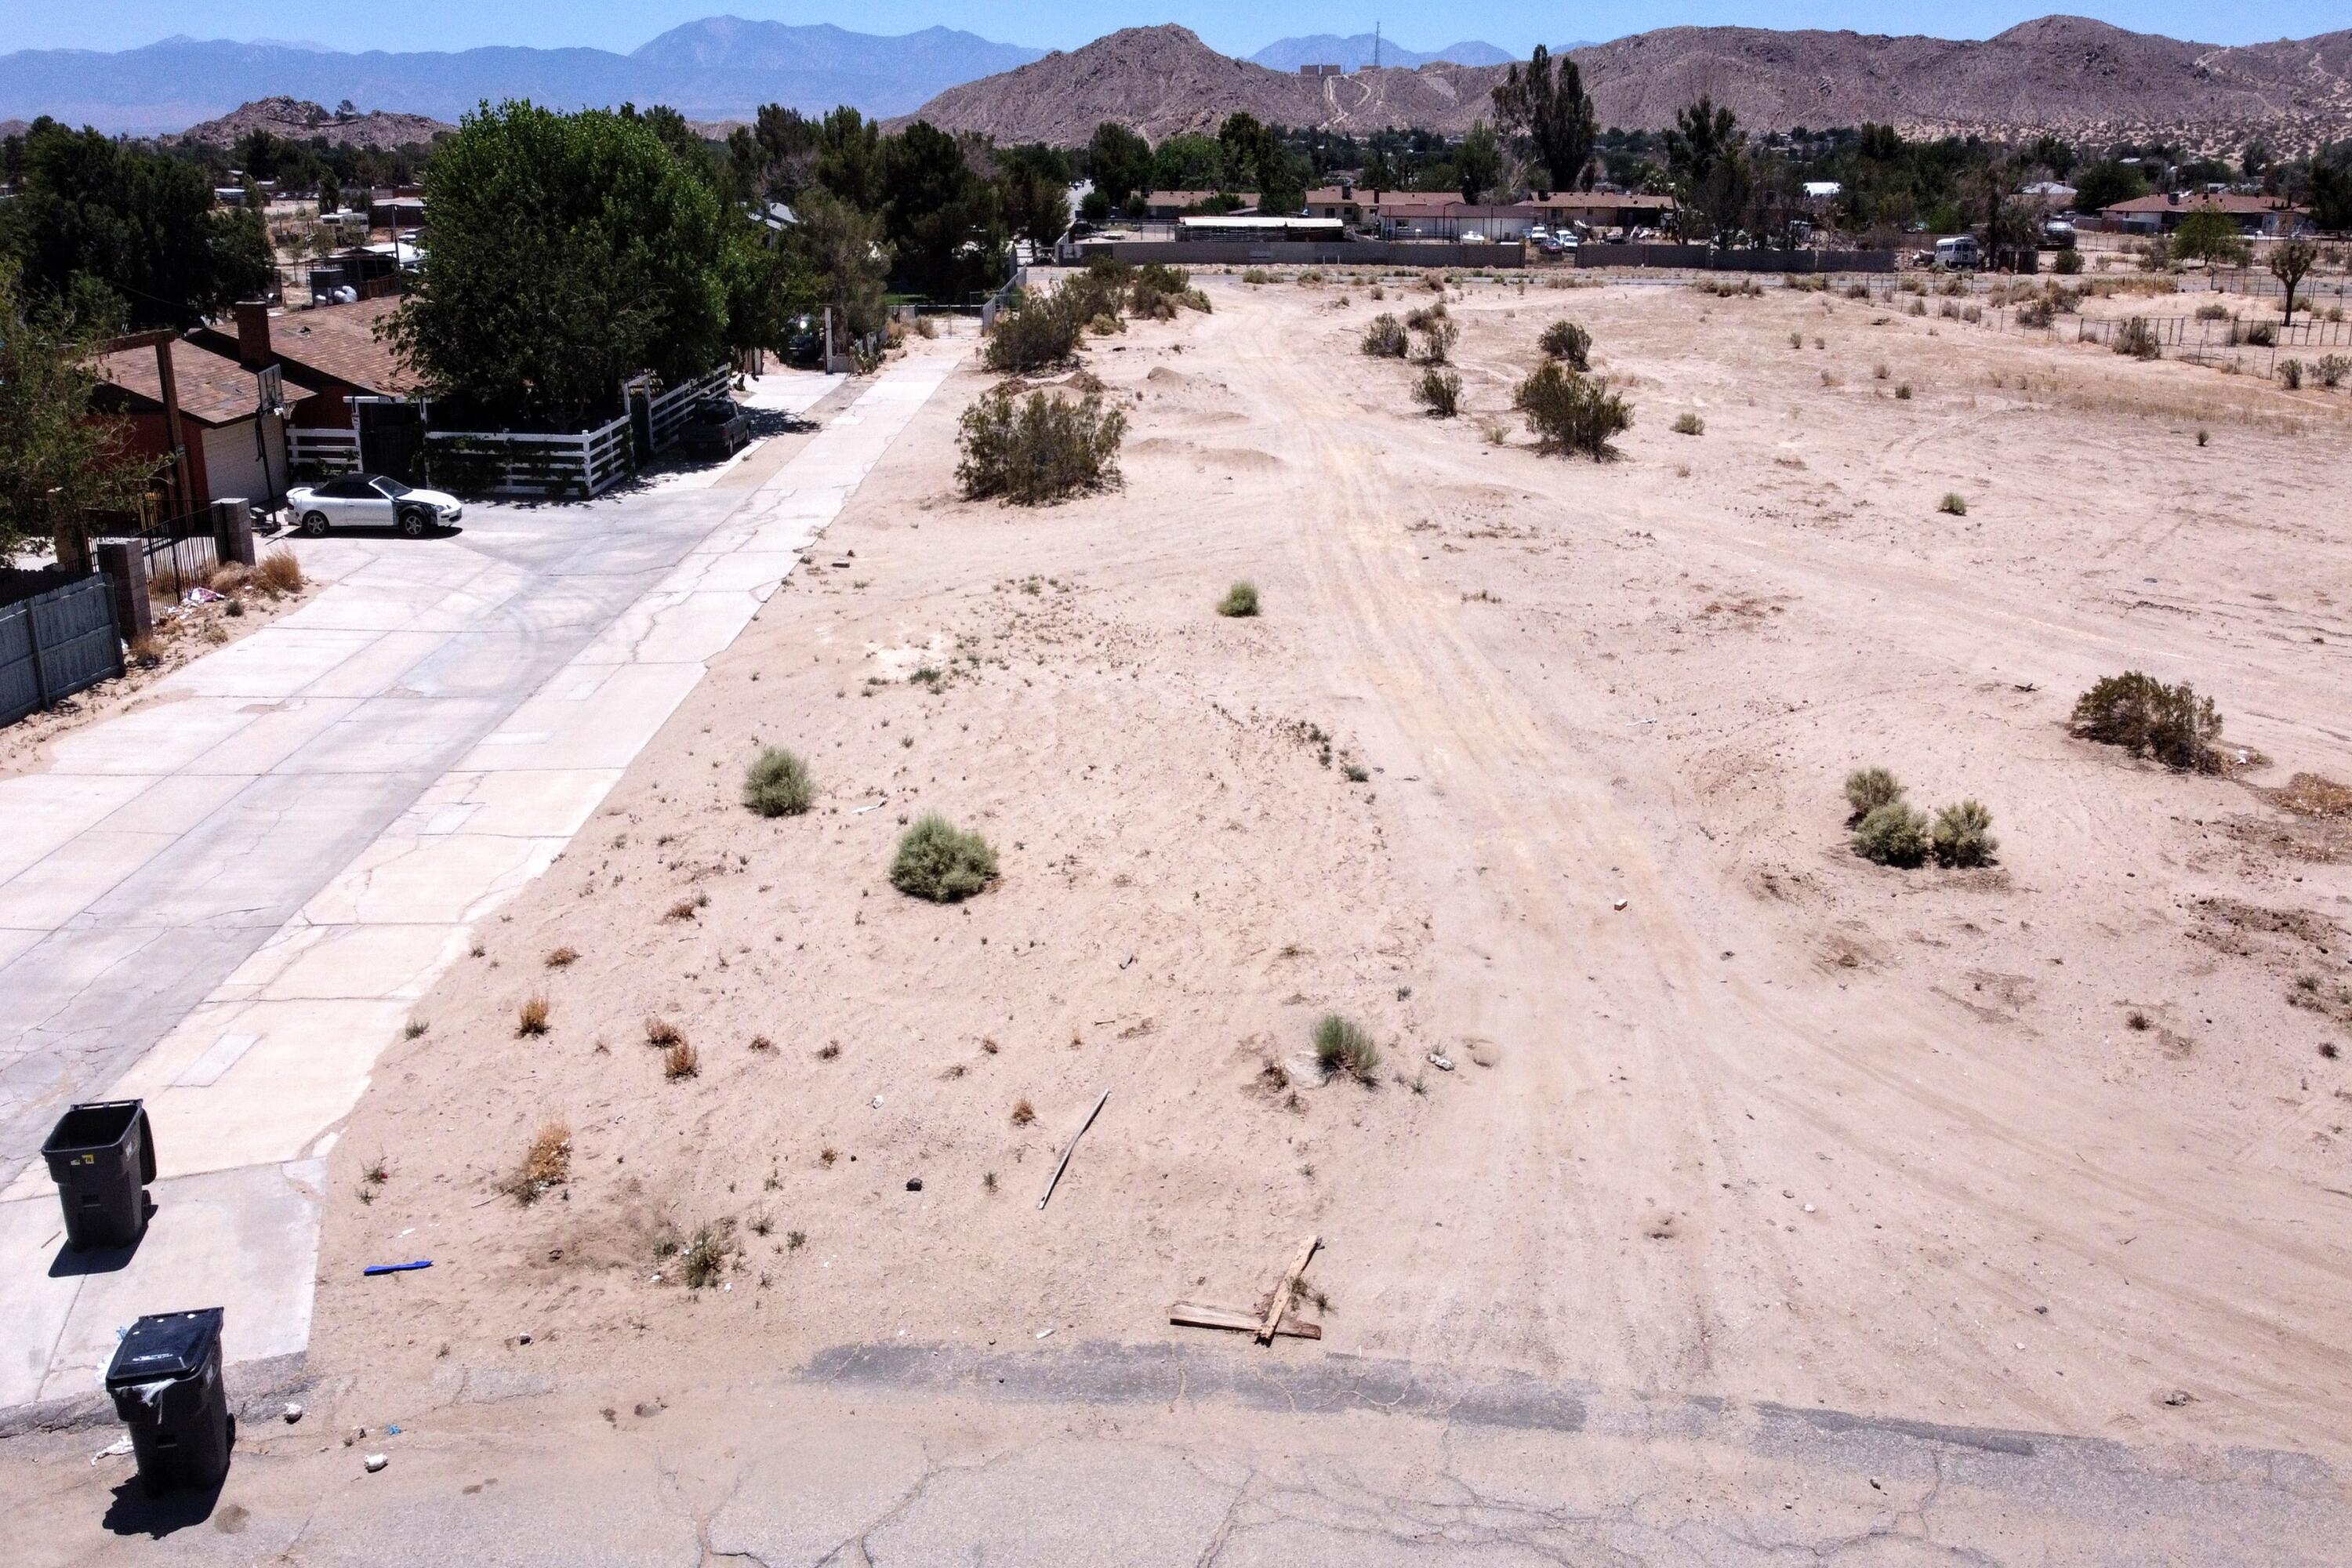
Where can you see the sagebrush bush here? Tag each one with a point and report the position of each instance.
(1424, 316)
(1892, 834)
(2149, 719)
(1689, 425)
(1954, 503)
(2289, 374)
(777, 783)
(2138, 340)
(1042, 334)
(1867, 789)
(1385, 338)
(1239, 600)
(1570, 413)
(1568, 343)
(2332, 369)
(1039, 449)
(1963, 835)
(938, 861)
(2069, 263)
(1437, 340)
(1439, 390)
(1340, 1046)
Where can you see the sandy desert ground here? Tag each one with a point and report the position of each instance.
(1732, 1112)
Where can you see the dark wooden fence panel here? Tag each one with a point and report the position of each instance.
(55, 644)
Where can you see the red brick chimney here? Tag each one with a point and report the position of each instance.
(253, 334)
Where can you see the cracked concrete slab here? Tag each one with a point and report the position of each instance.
(333, 808)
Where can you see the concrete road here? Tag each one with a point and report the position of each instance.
(1193, 1453)
(225, 900)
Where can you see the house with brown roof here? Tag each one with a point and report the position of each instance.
(2163, 213)
(232, 421)
(1443, 215)
(334, 355)
(1176, 204)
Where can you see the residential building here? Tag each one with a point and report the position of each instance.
(1176, 204)
(2161, 214)
(233, 421)
(354, 389)
(1443, 215)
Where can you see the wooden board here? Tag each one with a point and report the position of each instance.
(1281, 1302)
(1192, 1315)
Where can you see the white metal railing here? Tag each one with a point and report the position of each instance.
(331, 451)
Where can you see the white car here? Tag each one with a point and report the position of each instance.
(370, 501)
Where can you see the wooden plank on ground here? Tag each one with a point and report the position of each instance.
(1281, 1302)
(1193, 1315)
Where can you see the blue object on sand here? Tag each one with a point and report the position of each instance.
(397, 1268)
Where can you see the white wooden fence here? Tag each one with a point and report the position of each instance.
(573, 465)
(327, 451)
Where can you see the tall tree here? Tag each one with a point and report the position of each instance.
(849, 158)
(2289, 264)
(139, 223)
(58, 459)
(1549, 106)
(846, 256)
(1119, 162)
(945, 222)
(1707, 159)
(1478, 162)
(570, 251)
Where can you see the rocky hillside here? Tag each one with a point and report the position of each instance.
(2065, 74)
(300, 120)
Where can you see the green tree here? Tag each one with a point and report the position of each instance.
(2327, 186)
(945, 225)
(59, 458)
(846, 257)
(1549, 107)
(767, 281)
(1119, 162)
(570, 251)
(1707, 159)
(1188, 161)
(849, 158)
(2290, 263)
(1036, 203)
(2106, 183)
(1478, 162)
(2210, 234)
(1379, 175)
(141, 224)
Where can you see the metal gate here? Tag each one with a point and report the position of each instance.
(55, 644)
(392, 439)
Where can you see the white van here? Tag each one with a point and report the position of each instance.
(1958, 251)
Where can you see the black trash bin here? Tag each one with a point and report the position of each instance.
(101, 1157)
(165, 1379)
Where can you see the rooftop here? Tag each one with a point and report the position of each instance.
(212, 388)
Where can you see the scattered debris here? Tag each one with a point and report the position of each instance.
(1193, 1315)
(1442, 1063)
(2178, 1397)
(1619, 904)
(375, 1462)
(914, 1183)
(113, 1450)
(1071, 1148)
(292, 1413)
(1281, 1302)
(396, 1267)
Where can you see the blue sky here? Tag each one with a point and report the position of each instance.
(1232, 26)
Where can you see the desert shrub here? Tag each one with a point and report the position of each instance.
(1570, 413)
(1689, 425)
(2137, 339)
(1892, 834)
(1239, 600)
(562, 957)
(938, 861)
(2149, 719)
(660, 1031)
(530, 1019)
(1954, 504)
(1341, 1045)
(1878, 371)
(280, 571)
(1158, 291)
(2332, 369)
(1902, 392)
(777, 783)
(2213, 312)
(2289, 374)
(1385, 338)
(1568, 343)
(681, 1060)
(2069, 263)
(2036, 315)
(1042, 334)
(1040, 448)
(1963, 835)
(546, 1163)
(1437, 340)
(1439, 390)
(1257, 275)
(1867, 789)
(2263, 335)
(705, 1263)
(1424, 316)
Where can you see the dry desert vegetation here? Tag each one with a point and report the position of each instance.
(1530, 770)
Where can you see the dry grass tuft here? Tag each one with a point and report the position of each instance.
(1023, 1113)
(530, 1019)
(546, 1163)
(660, 1031)
(2314, 794)
(562, 957)
(681, 1060)
(280, 571)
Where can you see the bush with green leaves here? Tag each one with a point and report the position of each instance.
(1892, 834)
(1962, 836)
(2149, 719)
(1439, 390)
(2137, 339)
(777, 783)
(1385, 338)
(1437, 340)
(1038, 449)
(938, 861)
(1954, 504)
(1689, 425)
(1867, 789)
(1043, 334)
(2332, 369)
(1568, 343)
(1342, 1046)
(1159, 290)
(2289, 374)
(1570, 413)
(1240, 601)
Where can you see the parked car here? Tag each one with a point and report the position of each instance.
(804, 341)
(370, 501)
(714, 428)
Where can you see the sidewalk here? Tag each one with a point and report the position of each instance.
(321, 818)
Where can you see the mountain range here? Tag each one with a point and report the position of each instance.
(1355, 53)
(2068, 75)
(716, 69)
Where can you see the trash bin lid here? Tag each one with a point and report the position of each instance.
(165, 1345)
(99, 1125)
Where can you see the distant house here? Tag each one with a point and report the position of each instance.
(2161, 214)
(1176, 204)
(1443, 215)
(332, 356)
(236, 442)
(401, 208)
